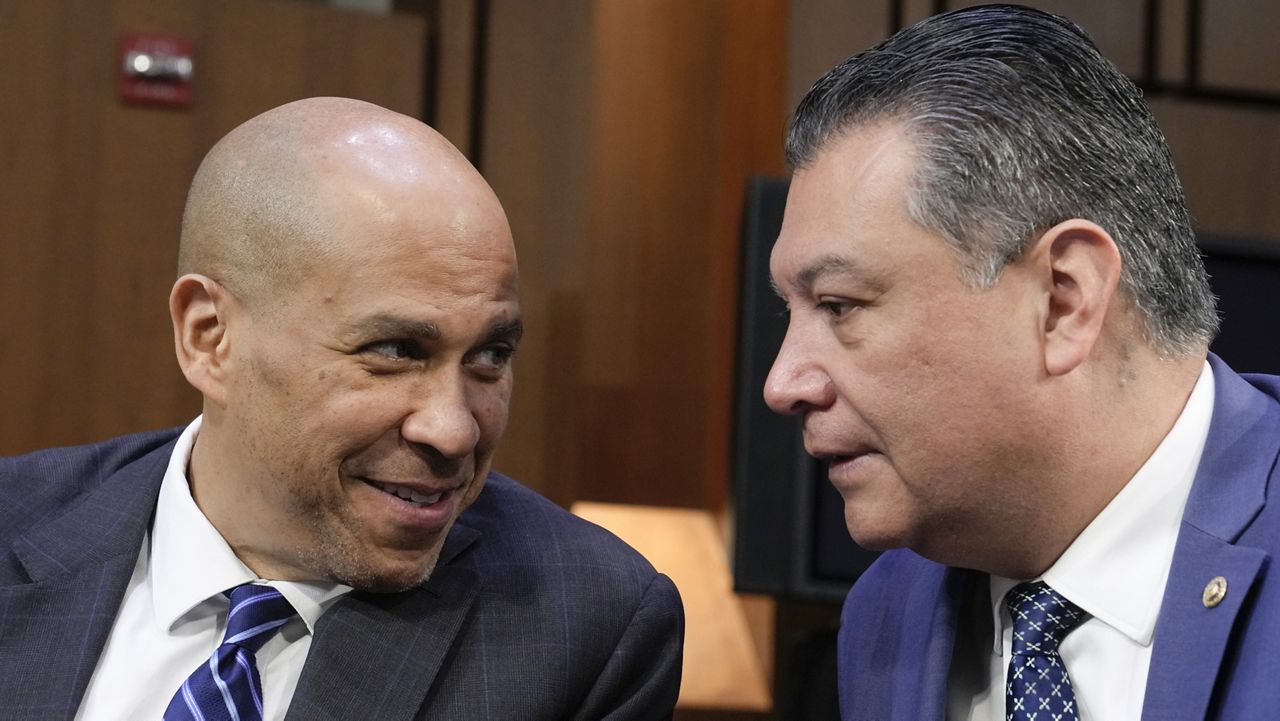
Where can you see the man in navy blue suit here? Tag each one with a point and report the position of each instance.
(347, 308)
(998, 337)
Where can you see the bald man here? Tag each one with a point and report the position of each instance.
(327, 541)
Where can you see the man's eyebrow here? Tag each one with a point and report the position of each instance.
(392, 326)
(826, 265)
(510, 331)
(822, 267)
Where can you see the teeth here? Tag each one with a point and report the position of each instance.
(419, 498)
(409, 494)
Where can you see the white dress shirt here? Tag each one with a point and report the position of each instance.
(1116, 571)
(174, 612)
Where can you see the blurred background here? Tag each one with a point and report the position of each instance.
(622, 136)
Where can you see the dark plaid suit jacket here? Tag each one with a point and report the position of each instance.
(531, 613)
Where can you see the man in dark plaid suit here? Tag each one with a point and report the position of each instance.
(347, 307)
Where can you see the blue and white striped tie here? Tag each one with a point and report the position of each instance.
(227, 687)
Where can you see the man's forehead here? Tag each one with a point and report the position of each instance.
(848, 200)
(456, 247)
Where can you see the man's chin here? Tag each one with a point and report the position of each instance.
(875, 536)
(388, 580)
(379, 569)
(874, 542)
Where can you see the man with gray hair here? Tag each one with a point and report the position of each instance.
(998, 337)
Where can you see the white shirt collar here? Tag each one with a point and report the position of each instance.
(1116, 569)
(191, 563)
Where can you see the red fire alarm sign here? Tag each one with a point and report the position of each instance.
(156, 70)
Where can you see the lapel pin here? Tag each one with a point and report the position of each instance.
(1214, 592)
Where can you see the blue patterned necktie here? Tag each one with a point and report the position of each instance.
(227, 687)
(1038, 687)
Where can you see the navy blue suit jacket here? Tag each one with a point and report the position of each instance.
(531, 612)
(898, 630)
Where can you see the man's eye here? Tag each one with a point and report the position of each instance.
(491, 360)
(400, 349)
(836, 308)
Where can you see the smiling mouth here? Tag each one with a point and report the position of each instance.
(409, 495)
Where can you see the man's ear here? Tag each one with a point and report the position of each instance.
(200, 309)
(1080, 267)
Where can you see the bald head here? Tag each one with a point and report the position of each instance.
(260, 216)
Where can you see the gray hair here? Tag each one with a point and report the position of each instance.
(1019, 123)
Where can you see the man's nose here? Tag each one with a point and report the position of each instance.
(442, 417)
(796, 382)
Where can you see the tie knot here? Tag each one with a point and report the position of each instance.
(1041, 618)
(256, 612)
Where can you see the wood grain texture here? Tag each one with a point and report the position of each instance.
(93, 188)
(539, 69)
(619, 137)
(1239, 42)
(685, 108)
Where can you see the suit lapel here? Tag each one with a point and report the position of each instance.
(79, 564)
(52, 633)
(1191, 635)
(897, 639)
(1191, 638)
(939, 644)
(378, 655)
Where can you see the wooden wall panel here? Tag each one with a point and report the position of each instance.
(1240, 49)
(535, 156)
(824, 32)
(455, 75)
(29, 130)
(93, 189)
(1229, 160)
(675, 135)
(619, 136)
(1171, 60)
